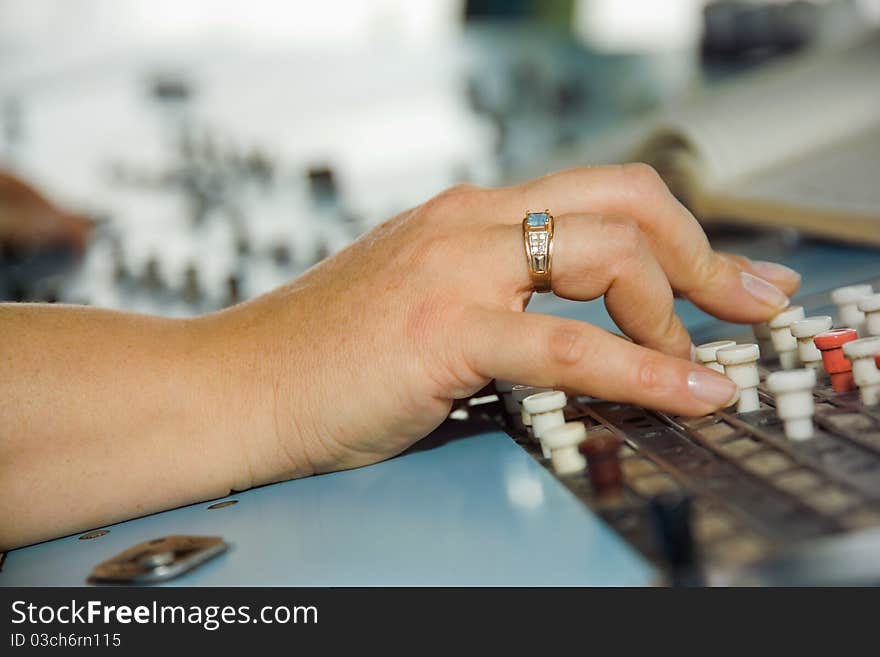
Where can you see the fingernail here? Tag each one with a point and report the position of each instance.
(693, 352)
(775, 271)
(763, 291)
(712, 388)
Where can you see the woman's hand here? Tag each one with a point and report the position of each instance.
(108, 415)
(369, 349)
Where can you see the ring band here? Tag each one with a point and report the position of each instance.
(538, 242)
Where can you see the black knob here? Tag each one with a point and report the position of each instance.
(672, 514)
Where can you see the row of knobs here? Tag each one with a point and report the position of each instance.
(567, 444)
(848, 360)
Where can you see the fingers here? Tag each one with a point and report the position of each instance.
(552, 352)
(714, 283)
(595, 256)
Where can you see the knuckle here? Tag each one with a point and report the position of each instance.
(710, 270)
(625, 235)
(461, 188)
(451, 203)
(566, 346)
(434, 207)
(643, 180)
(651, 376)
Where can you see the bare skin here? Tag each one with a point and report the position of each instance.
(28, 221)
(109, 416)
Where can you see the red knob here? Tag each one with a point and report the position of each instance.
(838, 366)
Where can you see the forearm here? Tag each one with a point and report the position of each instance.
(107, 416)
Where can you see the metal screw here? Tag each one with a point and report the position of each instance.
(222, 505)
(98, 533)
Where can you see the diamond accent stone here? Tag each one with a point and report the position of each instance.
(538, 243)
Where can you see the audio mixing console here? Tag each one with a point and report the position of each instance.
(714, 498)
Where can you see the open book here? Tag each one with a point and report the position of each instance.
(795, 144)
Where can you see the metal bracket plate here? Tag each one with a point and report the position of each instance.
(158, 560)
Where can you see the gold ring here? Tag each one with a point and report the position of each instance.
(538, 242)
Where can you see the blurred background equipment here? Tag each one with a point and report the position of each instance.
(805, 153)
(242, 144)
(220, 152)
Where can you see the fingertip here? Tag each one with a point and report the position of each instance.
(763, 291)
(784, 278)
(711, 388)
(680, 387)
(743, 298)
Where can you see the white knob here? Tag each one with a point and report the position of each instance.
(741, 366)
(762, 337)
(846, 299)
(804, 330)
(783, 341)
(563, 443)
(545, 402)
(520, 392)
(863, 354)
(546, 411)
(793, 392)
(870, 305)
(706, 354)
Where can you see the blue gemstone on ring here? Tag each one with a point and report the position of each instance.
(537, 219)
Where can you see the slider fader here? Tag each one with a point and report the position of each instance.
(789, 476)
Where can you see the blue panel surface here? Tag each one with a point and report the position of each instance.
(457, 510)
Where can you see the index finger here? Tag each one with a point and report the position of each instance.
(547, 351)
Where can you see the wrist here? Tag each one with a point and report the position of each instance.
(248, 369)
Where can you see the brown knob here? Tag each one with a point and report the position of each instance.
(602, 450)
